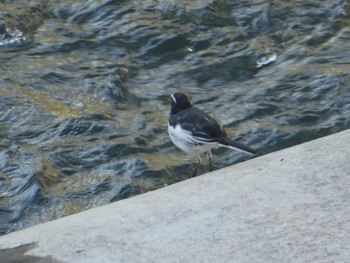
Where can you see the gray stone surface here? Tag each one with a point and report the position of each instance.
(288, 206)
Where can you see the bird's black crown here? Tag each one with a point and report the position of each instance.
(179, 102)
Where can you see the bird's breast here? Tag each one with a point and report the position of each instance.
(183, 139)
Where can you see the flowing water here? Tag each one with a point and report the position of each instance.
(84, 91)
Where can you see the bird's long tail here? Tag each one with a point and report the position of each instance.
(226, 142)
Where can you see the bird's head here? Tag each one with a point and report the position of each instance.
(179, 102)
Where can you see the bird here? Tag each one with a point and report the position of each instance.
(196, 132)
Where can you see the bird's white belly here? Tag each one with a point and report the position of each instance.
(183, 139)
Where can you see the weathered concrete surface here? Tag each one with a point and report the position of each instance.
(288, 206)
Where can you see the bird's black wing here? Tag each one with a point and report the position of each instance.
(204, 128)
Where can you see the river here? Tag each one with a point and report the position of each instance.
(84, 91)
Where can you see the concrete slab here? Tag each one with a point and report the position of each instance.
(288, 206)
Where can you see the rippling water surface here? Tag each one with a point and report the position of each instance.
(84, 91)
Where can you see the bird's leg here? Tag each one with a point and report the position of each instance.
(195, 170)
(209, 158)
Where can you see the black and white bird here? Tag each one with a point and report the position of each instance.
(196, 132)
